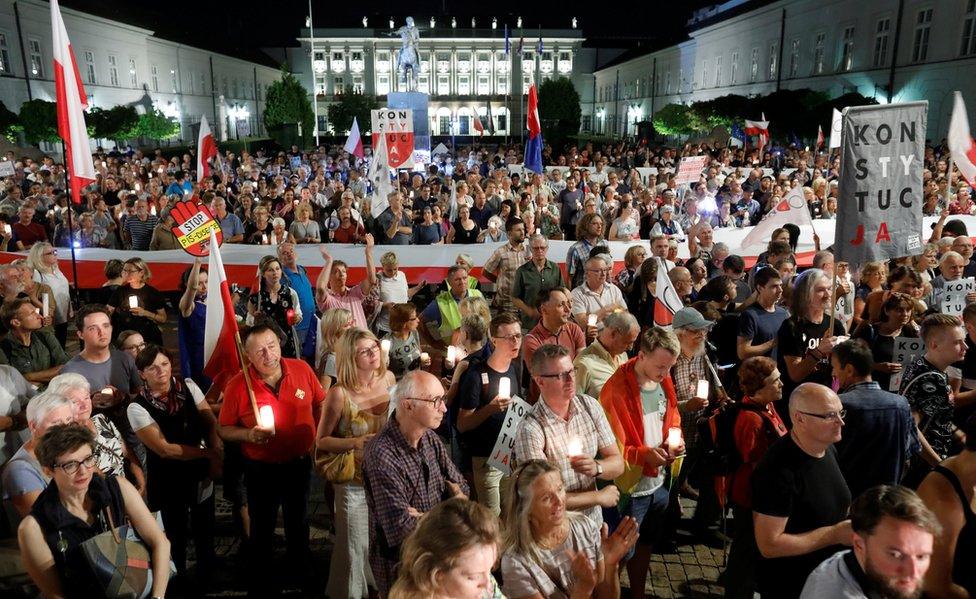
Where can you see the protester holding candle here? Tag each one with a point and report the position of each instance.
(136, 305)
(43, 260)
(642, 408)
(484, 395)
(276, 466)
(279, 302)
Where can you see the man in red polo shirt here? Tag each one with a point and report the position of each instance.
(554, 328)
(26, 231)
(277, 463)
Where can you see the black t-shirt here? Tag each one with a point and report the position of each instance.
(150, 299)
(810, 493)
(795, 338)
(477, 388)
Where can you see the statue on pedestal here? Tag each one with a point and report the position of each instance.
(408, 59)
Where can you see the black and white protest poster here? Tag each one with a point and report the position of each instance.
(879, 212)
(501, 454)
(904, 351)
(954, 295)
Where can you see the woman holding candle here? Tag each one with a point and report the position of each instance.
(136, 305)
(404, 351)
(756, 427)
(43, 259)
(355, 410)
(260, 230)
(278, 301)
(551, 551)
(178, 428)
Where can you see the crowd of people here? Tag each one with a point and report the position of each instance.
(835, 463)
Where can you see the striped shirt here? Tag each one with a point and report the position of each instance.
(140, 231)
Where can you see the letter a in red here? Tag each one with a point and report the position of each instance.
(882, 233)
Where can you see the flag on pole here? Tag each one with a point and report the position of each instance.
(790, 209)
(479, 126)
(666, 299)
(354, 145)
(835, 127)
(491, 121)
(508, 43)
(533, 147)
(540, 46)
(220, 328)
(379, 175)
(760, 129)
(961, 144)
(521, 46)
(820, 137)
(206, 149)
(71, 103)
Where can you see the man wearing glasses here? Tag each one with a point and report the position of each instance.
(570, 431)
(596, 296)
(537, 275)
(799, 496)
(406, 472)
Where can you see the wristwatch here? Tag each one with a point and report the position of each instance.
(599, 469)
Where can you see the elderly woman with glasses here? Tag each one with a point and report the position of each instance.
(355, 410)
(137, 305)
(43, 260)
(551, 551)
(75, 508)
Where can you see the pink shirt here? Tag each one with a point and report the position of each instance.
(352, 301)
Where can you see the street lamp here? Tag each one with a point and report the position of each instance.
(365, 22)
(453, 23)
(433, 22)
(494, 23)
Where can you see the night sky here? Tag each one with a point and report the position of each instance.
(226, 26)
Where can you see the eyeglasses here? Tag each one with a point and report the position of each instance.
(51, 253)
(829, 416)
(138, 347)
(537, 248)
(131, 270)
(369, 351)
(436, 401)
(563, 376)
(71, 468)
(511, 338)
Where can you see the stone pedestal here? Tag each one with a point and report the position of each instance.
(418, 103)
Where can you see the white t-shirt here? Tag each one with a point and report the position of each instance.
(585, 301)
(391, 290)
(139, 417)
(653, 434)
(15, 391)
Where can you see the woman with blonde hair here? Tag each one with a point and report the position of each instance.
(43, 260)
(303, 229)
(355, 410)
(551, 551)
(334, 323)
(450, 553)
(137, 305)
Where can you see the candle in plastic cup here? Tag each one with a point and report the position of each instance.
(152, 210)
(574, 446)
(504, 387)
(266, 415)
(138, 187)
(702, 391)
(385, 346)
(264, 239)
(108, 391)
(674, 438)
(133, 301)
(46, 303)
(451, 356)
(7, 229)
(424, 358)
(591, 320)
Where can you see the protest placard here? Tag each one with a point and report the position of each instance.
(954, 295)
(689, 171)
(6, 168)
(904, 351)
(501, 454)
(881, 174)
(397, 126)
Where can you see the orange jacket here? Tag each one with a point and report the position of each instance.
(621, 400)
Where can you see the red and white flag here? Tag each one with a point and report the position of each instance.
(791, 209)
(220, 330)
(71, 101)
(961, 144)
(666, 299)
(478, 125)
(759, 129)
(354, 145)
(820, 137)
(206, 149)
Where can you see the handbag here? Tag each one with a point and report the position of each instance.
(121, 562)
(337, 468)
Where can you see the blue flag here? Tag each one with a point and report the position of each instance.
(508, 45)
(533, 147)
(737, 132)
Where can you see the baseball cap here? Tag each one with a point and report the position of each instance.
(689, 318)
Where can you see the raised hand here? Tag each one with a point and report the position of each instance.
(193, 224)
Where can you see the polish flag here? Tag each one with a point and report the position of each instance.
(220, 330)
(354, 145)
(820, 137)
(478, 125)
(71, 102)
(666, 299)
(206, 149)
(759, 129)
(791, 209)
(961, 144)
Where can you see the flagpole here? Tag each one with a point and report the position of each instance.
(833, 303)
(247, 378)
(948, 181)
(76, 300)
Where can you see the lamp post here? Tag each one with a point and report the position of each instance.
(311, 64)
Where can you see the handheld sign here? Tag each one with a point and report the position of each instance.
(193, 223)
(954, 295)
(904, 352)
(396, 124)
(881, 182)
(689, 171)
(6, 168)
(501, 454)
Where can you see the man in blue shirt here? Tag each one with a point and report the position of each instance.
(180, 186)
(299, 281)
(230, 225)
(879, 432)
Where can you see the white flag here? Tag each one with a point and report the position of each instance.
(791, 209)
(961, 144)
(835, 126)
(379, 176)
